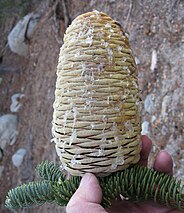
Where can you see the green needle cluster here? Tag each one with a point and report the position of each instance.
(136, 183)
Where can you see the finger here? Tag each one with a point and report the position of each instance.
(164, 163)
(145, 151)
(87, 198)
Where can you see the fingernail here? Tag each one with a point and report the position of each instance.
(86, 179)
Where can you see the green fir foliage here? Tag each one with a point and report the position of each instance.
(33, 193)
(136, 183)
(49, 171)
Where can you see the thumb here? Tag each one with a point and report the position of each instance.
(87, 198)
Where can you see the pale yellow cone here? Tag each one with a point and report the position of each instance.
(96, 119)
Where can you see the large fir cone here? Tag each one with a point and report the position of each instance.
(96, 119)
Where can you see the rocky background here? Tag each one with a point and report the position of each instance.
(31, 34)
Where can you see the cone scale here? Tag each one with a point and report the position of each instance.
(96, 119)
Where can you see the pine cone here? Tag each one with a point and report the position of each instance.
(96, 119)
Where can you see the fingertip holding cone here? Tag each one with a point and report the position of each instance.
(96, 119)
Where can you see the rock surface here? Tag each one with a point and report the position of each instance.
(8, 130)
(16, 104)
(149, 104)
(22, 31)
(18, 157)
(145, 128)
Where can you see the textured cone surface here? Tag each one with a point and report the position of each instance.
(96, 119)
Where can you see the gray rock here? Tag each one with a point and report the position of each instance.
(137, 61)
(32, 25)
(16, 105)
(153, 119)
(8, 130)
(145, 128)
(153, 60)
(23, 30)
(166, 107)
(148, 103)
(18, 157)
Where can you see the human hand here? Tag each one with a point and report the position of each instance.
(88, 196)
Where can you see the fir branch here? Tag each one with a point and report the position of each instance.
(142, 184)
(137, 183)
(63, 191)
(49, 171)
(26, 195)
